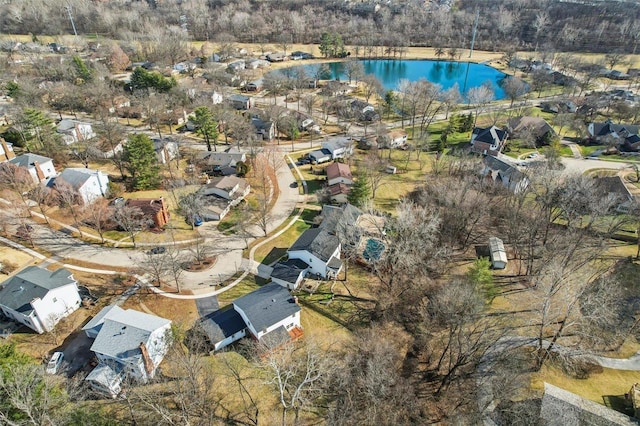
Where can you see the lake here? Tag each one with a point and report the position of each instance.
(465, 74)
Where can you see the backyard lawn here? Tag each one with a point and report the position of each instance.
(277, 247)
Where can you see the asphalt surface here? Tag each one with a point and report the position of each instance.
(207, 305)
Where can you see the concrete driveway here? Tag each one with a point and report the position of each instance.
(207, 305)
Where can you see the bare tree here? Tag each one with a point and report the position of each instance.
(297, 372)
(371, 86)
(98, 213)
(131, 219)
(480, 97)
(68, 198)
(373, 168)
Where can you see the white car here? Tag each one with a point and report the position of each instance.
(54, 363)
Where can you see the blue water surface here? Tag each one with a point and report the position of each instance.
(465, 74)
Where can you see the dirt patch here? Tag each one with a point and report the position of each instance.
(198, 266)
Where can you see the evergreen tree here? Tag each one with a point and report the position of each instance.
(206, 126)
(83, 72)
(141, 161)
(360, 192)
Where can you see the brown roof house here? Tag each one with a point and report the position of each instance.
(488, 141)
(153, 208)
(339, 173)
(537, 127)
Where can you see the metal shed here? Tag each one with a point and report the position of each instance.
(498, 253)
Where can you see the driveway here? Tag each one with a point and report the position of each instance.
(207, 305)
(77, 354)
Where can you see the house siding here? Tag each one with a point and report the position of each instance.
(316, 266)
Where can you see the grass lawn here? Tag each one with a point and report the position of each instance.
(587, 150)
(395, 186)
(277, 247)
(183, 313)
(247, 285)
(605, 388)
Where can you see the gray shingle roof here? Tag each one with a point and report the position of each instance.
(267, 305)
(27, 160)
(504, 168)
(122, 333)
(76, 177)
(104, 313)
(221, 324)
(32, 282)
(608, 128)
(318, 242)
(491, 135)
(288, 271)
(333, 216)
(275, 338)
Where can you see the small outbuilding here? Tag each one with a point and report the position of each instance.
(498, 253)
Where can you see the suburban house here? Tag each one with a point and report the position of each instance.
(276, 57)
(500, 171)
(289, 273)
(338, 173)
(153, 209)
(613, 186)
(255, 85)
(166, 150)
(599, 132)
(488, 141)
(39, 298)
(320, 156)
(75, 131)
(269, 314)
(394, 139)
(339, 193)
(240, 102)
(338, 147)
(364, 111)
(88, 184)
(210, 159)
(565, 106)
(535, 126)
(103, 149)
(128, 344)
(266, 130)
(320, 250)
(6, 151)
(230, 188)
(40, 168)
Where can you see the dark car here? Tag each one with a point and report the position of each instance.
(157, 250)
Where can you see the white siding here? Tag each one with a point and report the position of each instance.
(229, 340)
(288, 323)
(57, 304)
(316, 266)
(339, 179)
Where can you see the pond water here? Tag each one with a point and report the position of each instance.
(447, 74)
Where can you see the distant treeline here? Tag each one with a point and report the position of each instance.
(595, 26)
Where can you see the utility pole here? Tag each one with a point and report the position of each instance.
(475, 30)
(73, 25)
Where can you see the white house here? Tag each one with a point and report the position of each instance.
(127, 343)
(508, 175)
(228, 187)
(339, 147)
(339, 173)
(40, 168)
(269, 314)
(320, 250)
(394, 139)
(290, 273)
(75, 131)
(89, 184)
(39, 298)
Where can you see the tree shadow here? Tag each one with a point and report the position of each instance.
(275, 254)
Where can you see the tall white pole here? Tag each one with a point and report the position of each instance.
(73, 25)
(475, 30)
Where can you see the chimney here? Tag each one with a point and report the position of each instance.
(39, 171)
(146, 359)
(295, 299)
(8, 152)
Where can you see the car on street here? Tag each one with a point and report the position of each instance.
(157, 250)
(54, 363)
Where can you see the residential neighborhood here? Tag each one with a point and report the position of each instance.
(300, 213)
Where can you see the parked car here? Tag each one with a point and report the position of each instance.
(157, 250)
(54, 363)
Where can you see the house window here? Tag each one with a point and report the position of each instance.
(310, 260)
(55, 299)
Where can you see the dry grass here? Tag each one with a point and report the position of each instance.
(595, 388)
(15, 257)
(182, 312)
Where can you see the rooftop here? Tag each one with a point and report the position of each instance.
(267, 305)
(123, 331)
(32, 282)
(317, 241)
(221, 324)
